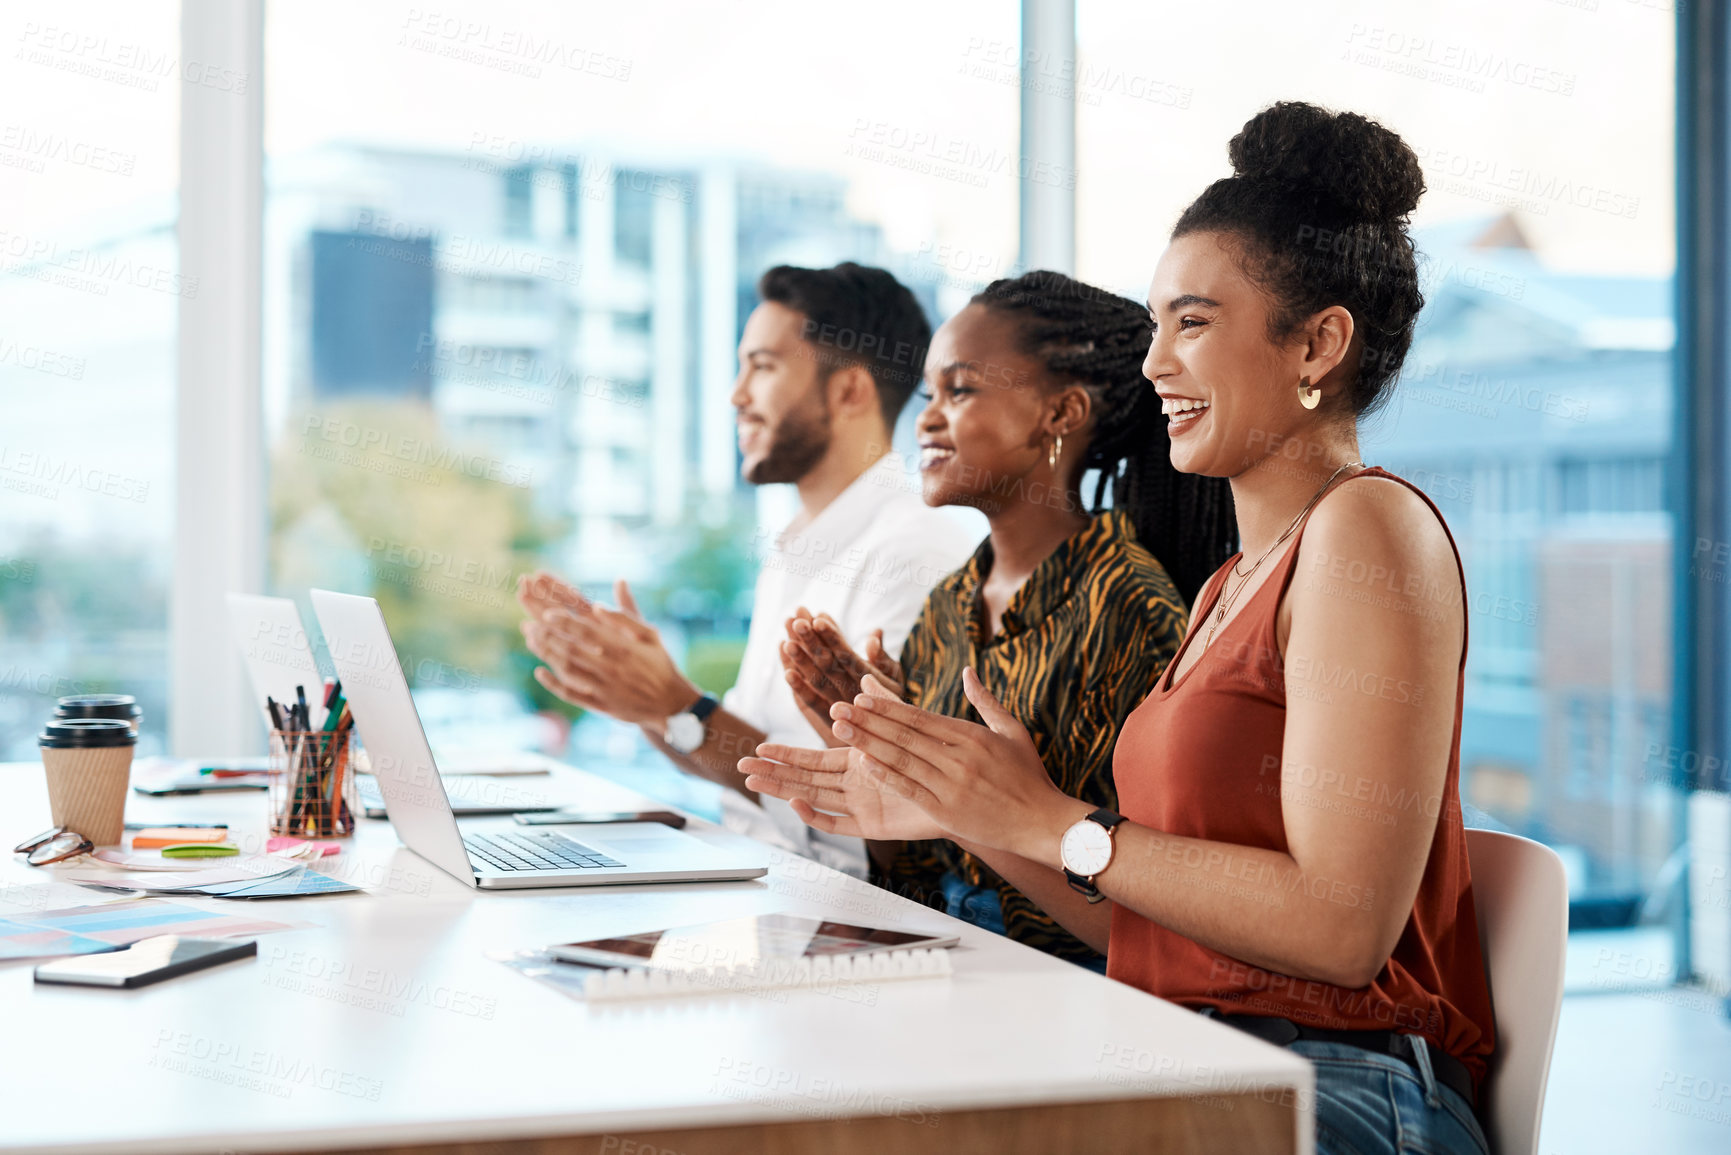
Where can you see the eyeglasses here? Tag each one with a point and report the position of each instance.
(54, 845)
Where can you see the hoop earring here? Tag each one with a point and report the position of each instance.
(1309, 395)
(1056, 451)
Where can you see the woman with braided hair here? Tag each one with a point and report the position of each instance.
(1069, 611)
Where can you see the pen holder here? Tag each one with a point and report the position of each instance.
(312, 784)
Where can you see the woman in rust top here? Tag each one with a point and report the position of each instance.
(1291, 856)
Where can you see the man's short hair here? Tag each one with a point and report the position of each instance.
(857, 315)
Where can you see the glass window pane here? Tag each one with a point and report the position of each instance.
(89, 286)
(507, 262)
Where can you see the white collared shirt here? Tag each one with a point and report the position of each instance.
(868, 560)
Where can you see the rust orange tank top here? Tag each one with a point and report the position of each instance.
(1193, 760)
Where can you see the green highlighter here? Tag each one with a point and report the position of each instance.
(200, 850)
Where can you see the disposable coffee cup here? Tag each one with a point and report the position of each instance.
(88, 762)
(122, 706)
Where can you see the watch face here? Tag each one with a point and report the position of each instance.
(684, 732)
(1086, 849)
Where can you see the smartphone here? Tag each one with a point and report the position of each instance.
(146, 961)
(580, 817)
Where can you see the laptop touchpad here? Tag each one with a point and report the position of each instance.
(647, 844)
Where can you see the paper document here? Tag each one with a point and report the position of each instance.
(254, 868)
(110, 925)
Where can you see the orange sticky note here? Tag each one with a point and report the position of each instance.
(155, 837)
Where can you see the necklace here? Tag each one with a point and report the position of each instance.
(1222, 606)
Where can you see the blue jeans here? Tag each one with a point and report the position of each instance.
(1371, 1104)
(981, 906)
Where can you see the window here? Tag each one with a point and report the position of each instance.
(519, 202)
(633, 217)
(504, 286)
(90, 283)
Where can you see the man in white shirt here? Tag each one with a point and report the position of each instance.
(826, 362)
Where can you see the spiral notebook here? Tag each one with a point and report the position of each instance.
(773, 952)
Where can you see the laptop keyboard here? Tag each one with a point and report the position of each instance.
(544, 850)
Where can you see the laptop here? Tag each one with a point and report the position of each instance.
(489, 857)
(278, 655)
(279, 658)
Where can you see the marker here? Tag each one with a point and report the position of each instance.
(200, 850)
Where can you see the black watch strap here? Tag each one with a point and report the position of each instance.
(1083, 886)
(704, 707)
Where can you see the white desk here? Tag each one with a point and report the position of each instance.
(384, 1027)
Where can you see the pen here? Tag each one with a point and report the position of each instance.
(177, 825)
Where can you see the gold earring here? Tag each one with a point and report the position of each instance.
(1309, 395)
(1056, 451)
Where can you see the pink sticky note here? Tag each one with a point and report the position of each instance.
(285, 842)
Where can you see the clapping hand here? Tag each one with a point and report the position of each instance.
(605, 660)
(982, 784)
(840, 791)
(822, 669)
(543, 593)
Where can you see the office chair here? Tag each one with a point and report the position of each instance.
(1522, 897)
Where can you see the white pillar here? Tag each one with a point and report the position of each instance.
(219, 451)
(1048, 181)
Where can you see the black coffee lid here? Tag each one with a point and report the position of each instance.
(98, 706)
(70, 733)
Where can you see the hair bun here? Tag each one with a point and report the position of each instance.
(1350, 163)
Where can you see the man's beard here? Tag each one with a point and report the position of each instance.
(796, 444)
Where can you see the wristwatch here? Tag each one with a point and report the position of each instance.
(684, 731)
(1086, 851)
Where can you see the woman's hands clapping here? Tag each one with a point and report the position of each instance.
(822, 669)
(979, 784)
(839, 791)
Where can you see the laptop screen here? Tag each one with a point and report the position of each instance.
(402, 761)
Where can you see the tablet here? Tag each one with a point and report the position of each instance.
(744, 942)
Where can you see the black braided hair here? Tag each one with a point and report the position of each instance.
(1098, 340)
